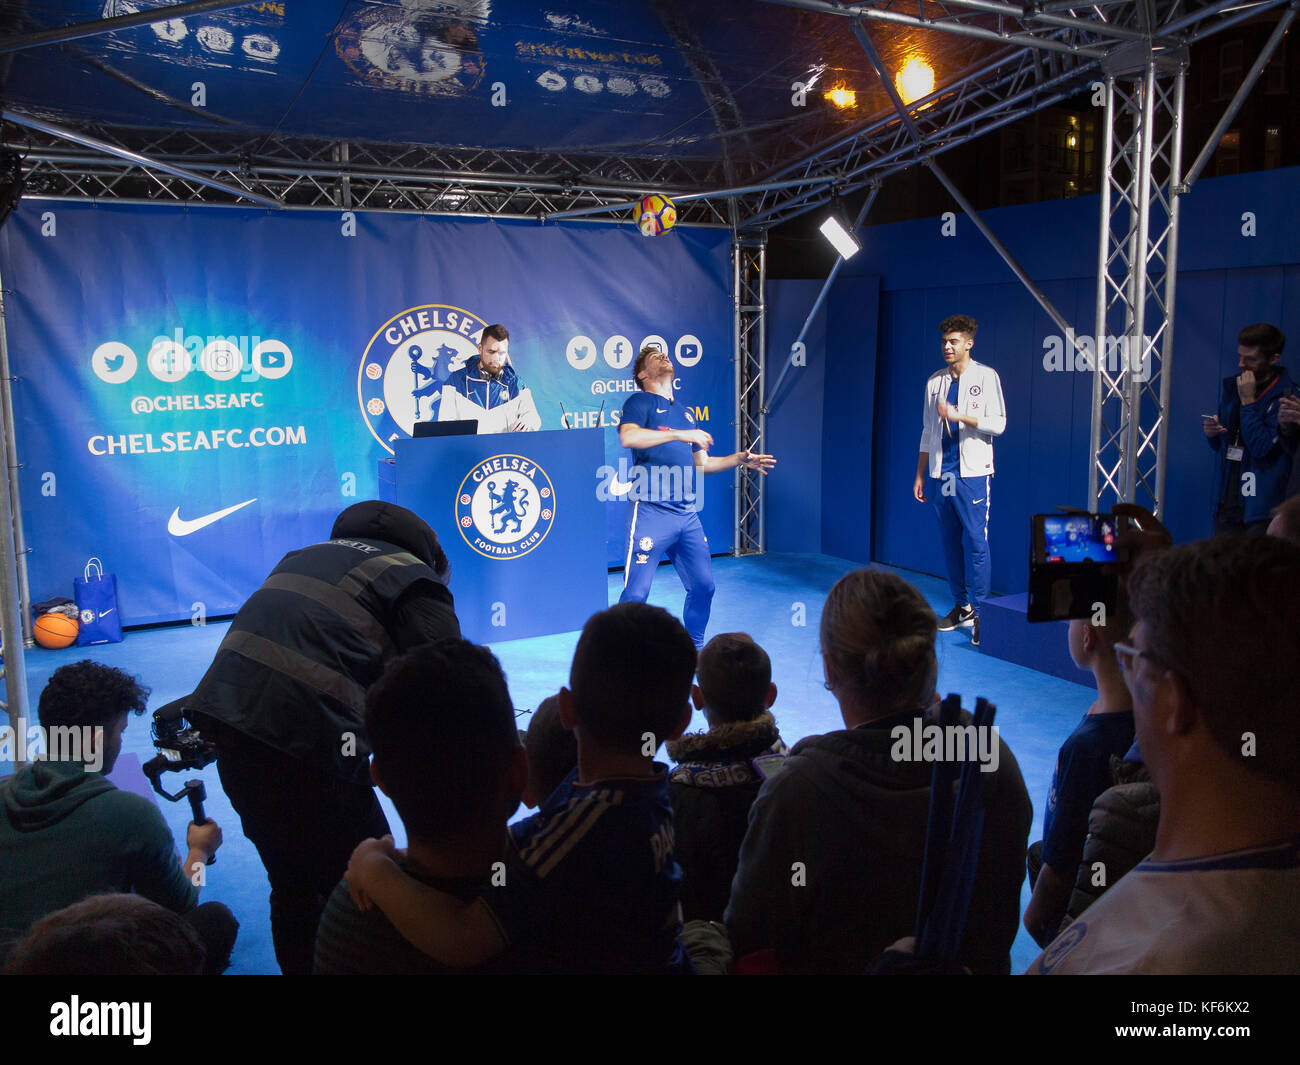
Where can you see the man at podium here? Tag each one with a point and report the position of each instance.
(487, 389)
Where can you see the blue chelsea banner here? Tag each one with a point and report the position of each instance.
(199, 391)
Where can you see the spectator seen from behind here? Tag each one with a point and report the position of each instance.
(442, 726)
(830, 868)
(719, 772)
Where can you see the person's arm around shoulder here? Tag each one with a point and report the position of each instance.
(459, 934)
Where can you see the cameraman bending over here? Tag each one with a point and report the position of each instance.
(283, 701)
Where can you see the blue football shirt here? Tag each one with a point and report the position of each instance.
(650, 411)
(1082, 773)
(950, 433)
(592, 882)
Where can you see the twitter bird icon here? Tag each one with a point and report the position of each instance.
(114, 362)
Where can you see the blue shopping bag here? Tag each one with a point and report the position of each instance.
(96, 596)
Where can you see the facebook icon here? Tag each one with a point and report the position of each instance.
(618, 352)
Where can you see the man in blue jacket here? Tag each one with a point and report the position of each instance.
(1254, 459)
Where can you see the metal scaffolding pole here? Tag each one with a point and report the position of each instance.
(1100, 383)
(961, 29)
(11, 443)
(1230, 112)
(1171, 280)
(886, 81)
(749, 277)
(967, 209)
(821, 298)
(1136, 284)
(11, 630)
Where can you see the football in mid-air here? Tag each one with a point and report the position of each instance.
(655, 214)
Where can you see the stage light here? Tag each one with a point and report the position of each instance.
(914, 80)
(842, 97)
(837, 232)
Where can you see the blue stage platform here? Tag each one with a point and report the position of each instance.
(1006, 634)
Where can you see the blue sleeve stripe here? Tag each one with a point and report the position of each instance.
(552, 842)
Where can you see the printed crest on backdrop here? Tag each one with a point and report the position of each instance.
(429, 47)
(406, 363)
(505, 506)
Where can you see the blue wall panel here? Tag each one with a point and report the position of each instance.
(848, 481)
(794, 426)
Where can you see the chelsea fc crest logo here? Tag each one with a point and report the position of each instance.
(505, 506)
(406, 363)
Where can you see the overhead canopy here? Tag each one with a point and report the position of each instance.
(512, 107)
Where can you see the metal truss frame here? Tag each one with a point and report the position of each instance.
(223, 168)
(1137, 266)
(749, 284)
(1136, 278)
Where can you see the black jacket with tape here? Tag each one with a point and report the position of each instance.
(293, 670)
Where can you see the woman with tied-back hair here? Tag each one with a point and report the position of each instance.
(831, 865)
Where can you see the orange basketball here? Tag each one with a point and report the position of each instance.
(55, 631)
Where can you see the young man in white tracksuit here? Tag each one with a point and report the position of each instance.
(964, 410)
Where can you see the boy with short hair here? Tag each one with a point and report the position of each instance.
(552, 752)
(448, 755)
(1082, 772)
(591, 882)
(719, 772)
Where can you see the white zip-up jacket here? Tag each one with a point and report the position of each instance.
(979, 394)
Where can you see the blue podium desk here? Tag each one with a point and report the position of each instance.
(520, 520)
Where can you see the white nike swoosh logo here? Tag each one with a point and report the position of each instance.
(178, 526)
(974, 501)
(658, 411)
(618, 488)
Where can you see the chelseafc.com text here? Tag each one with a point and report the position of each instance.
(199, 440)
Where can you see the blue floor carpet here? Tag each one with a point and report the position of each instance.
(777, 599)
